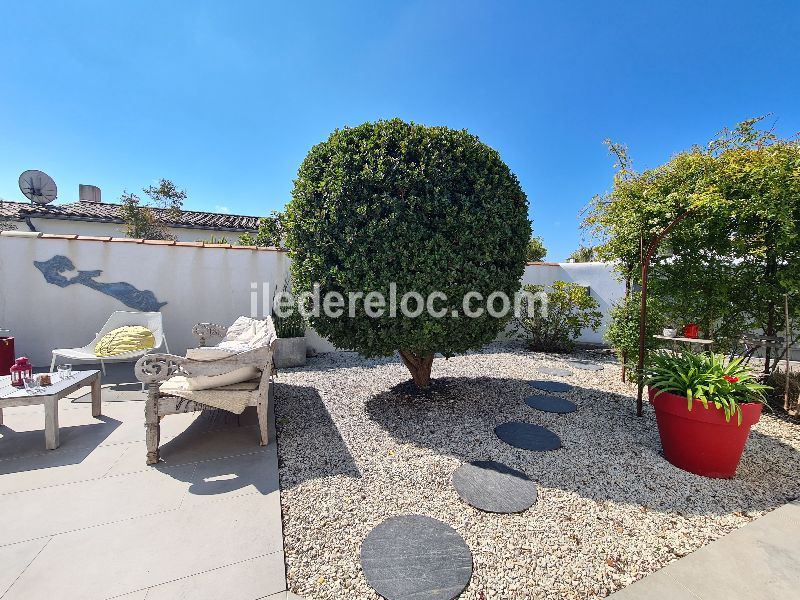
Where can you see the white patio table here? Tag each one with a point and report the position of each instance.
(49, 397)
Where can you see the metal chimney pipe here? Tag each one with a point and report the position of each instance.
(89, 193)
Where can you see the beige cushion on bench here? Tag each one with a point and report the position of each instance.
(245, 334)
(208, 382)
(234, 398)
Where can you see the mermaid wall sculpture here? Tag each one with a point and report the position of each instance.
(143, 300)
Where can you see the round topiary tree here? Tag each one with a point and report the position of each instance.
(395, 205)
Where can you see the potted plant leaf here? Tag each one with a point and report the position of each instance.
(705, 406)
(290, 327)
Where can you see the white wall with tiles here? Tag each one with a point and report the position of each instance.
(198, 285)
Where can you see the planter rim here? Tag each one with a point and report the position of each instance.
(678, 406)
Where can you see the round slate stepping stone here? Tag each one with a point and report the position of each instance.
(551, 386)
(528, 436)
(552, 404)
(415, 556)
(555, 371)
(586, 365)
(494, 487)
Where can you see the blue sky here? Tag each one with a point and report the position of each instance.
(226, 98)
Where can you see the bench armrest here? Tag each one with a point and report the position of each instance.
(155, 368)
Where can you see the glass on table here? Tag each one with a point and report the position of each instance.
(64, 371)
(31, 385)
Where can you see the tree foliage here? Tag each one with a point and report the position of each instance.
(536, 250)
(583, 254)
(728, 264)
(623, 329)
(271, 232)
(147, 220)
(569, 309)
(425, 208)
(6, 224)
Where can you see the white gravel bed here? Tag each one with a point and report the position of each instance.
(353, 451)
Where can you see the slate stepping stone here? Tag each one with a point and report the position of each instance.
(494, 487)
(555, 371)
(528, 436)
(551, 386)
(586, 365)
(552, 404)
(413, 557)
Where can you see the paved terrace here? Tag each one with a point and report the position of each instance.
(90, 520)
(756, 562)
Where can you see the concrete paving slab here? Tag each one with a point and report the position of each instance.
(217, 479)
(23, 435)
(140, 595)
(51, 510)
(241, 581)
(128, 556)
(15, 558)
(756, 562)
(661, 586)
(57, 467)
(192, 447)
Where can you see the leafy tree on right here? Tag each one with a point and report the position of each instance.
(728, 265)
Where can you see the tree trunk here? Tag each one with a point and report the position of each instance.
(788, 324)
(419, 366)
(771, 270)
(624, 353)
(771, 331)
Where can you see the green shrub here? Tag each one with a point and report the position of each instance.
(623, 329)
(426, 208)
(570, 308)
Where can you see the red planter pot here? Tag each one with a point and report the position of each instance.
(701, 441)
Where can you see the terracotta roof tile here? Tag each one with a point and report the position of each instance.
(104, 212)
(159, 242)
(60, 236)
(24, 234)
(128, 240)
(114, 240)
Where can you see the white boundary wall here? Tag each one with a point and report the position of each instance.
(599, 277)
(199, 284)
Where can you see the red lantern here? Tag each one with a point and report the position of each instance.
(22, 369)
(692, 330)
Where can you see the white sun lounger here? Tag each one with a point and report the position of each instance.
(120, 318)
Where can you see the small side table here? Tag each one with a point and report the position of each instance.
(684, 340)
(49, 397)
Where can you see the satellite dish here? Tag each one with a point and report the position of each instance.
(38, 187)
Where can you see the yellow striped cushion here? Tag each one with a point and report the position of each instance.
(125, 339)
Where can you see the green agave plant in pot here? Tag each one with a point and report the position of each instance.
(705, 406)
(290, 327)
